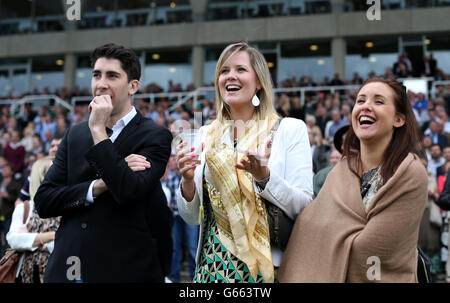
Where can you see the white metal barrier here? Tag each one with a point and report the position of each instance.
(33, 99)
(201, 93)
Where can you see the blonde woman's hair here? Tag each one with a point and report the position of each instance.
(259, 65)
(38, 171)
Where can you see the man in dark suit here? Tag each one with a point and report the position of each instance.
(435, 133)
(115, 220)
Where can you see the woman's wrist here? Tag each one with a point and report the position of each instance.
(40, 235)
(263, 177)
(263, 181)
(187, 188)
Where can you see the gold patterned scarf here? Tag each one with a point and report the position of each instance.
(240, 214)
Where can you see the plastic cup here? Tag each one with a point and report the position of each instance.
(193, 139)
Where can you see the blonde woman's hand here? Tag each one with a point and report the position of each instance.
(186, 166)
(256, 164)
(185, 160)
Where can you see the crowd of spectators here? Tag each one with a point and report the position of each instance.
(24, 139)
(27, 136)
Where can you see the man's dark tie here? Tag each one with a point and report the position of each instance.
(109, 131)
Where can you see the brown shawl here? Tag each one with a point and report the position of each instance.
(334, 237)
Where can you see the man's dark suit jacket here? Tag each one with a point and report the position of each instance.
(116, 236)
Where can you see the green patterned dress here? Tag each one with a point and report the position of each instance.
(216, 264)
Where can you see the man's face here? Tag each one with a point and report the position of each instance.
(15, 137)
(7, 171)
(434, 127)
(447, 153)
(108, 78)
(336, 116)
(54, 147)
(435, 152)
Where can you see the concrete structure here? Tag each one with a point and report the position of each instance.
(335, 27)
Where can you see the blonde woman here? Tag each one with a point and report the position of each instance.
(36, 237)
(242, 164)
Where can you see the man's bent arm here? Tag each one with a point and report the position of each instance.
(125, 185)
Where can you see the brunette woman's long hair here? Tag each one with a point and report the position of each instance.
(405, 139)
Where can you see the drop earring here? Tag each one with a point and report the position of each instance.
(255, 101)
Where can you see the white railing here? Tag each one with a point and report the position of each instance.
(174, 97)
(201, 93)
(304, 90)
(33, 99)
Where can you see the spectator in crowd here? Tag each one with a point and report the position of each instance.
(243, 93)
(421, 104)
(402, 67)
(24, 194)
(6, 139)
(27, 116)
(97, 183)
(30, 159)
(444, 121)
(428, 66)
(206, 108)
(335, 157)
(27, 140)
(446, 155)
(429, 231)
(426, 116)
(436, 159)
(357, 80)
(381, 219)
(14, 152)
(44, 125)
(333, 125)
(36, 236)
(320, 150)
(37, 144)
(346, 114)
(182, 233)
(321, 117)
(151, 112)
(9, 190)
(296, 110)
(61, 127)
(283, 107)
(336, 81)
(177, 113)
(435, 132)
(321, 175)
(444, 204)
(388, 73)
(426, 144)
(403, 71)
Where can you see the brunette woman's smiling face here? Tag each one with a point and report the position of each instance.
(374, 115)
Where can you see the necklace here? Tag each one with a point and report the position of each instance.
(365, 186)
